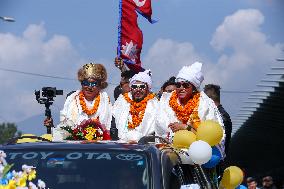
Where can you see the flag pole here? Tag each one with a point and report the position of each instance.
(119, 29)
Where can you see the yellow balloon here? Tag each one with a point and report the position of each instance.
(209, 131)
(47, 136)
(26, 140)
(232, 177)
(183, 139)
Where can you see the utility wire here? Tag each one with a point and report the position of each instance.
(72, 79)
(35, 74)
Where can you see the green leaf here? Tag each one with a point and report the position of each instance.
(7, 168)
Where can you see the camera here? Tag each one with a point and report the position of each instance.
(47, 93)
(51, 92)
(45, 96)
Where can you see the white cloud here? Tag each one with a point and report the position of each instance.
(33, 52)
(167, 56)
(245, 55)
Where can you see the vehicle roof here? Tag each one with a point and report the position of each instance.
(110, 145)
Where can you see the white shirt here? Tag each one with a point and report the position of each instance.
(121, 114)
(72, 113)
(207, 110)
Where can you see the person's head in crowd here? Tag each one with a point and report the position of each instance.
(93, 79)
(267, 182)
(188, 81)
(116, 92)
(124, 82)
(251, 183)
(140, 85)
(170, 85)
(213, 92)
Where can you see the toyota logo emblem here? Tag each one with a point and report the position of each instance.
(129, 157)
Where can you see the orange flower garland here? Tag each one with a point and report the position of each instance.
(84, 106)
(184, 113)
(137, 110)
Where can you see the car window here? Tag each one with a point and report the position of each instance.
(85, 169)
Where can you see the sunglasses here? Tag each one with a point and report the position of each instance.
(184, 84)
(138, 86)
(86, 83)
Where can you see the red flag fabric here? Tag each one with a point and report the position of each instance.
(130, 37)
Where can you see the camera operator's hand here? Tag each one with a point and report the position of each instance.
(48, 122)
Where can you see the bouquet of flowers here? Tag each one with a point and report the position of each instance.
(17, 180)
(90, 129)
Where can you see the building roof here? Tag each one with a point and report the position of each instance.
(258, 130)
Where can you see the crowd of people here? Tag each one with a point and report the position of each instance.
(266, 182)
(181, 104)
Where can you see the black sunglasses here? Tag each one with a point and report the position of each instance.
(184, 84)
(138, 86)
(86, 83)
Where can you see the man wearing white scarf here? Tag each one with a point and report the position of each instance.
(135, 112)
(185, 107)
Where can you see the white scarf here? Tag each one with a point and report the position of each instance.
(121, 113)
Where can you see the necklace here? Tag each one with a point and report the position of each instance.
(137, 109)
(183, 113)
(84, 106)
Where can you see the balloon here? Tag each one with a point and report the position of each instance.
(215, 159)
(47, 136)
(241, 187)
(232, 177)
(200, 152)
(183, 139)
(25, 140)
(210, 131)
(185, 158)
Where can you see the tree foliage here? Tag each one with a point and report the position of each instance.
(8, 131)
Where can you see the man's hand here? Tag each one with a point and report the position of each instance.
(118, 62)
(177, 126)
(48, 122)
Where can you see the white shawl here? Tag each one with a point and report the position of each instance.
(121, 114)
(207, 110)
(72, 113)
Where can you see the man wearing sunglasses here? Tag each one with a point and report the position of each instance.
(135, 111)
(88, 102)
(186, 107)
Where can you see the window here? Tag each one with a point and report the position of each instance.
(85, 169)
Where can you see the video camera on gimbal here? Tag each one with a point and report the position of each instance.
(45, 96)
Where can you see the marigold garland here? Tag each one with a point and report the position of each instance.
(184, 113)
(137, 109)
(84, 106)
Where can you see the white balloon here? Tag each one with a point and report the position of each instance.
(200, 152)
(185, 158)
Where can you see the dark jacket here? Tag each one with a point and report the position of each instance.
(228, 126)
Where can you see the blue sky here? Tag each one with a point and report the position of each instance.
(236, 40)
